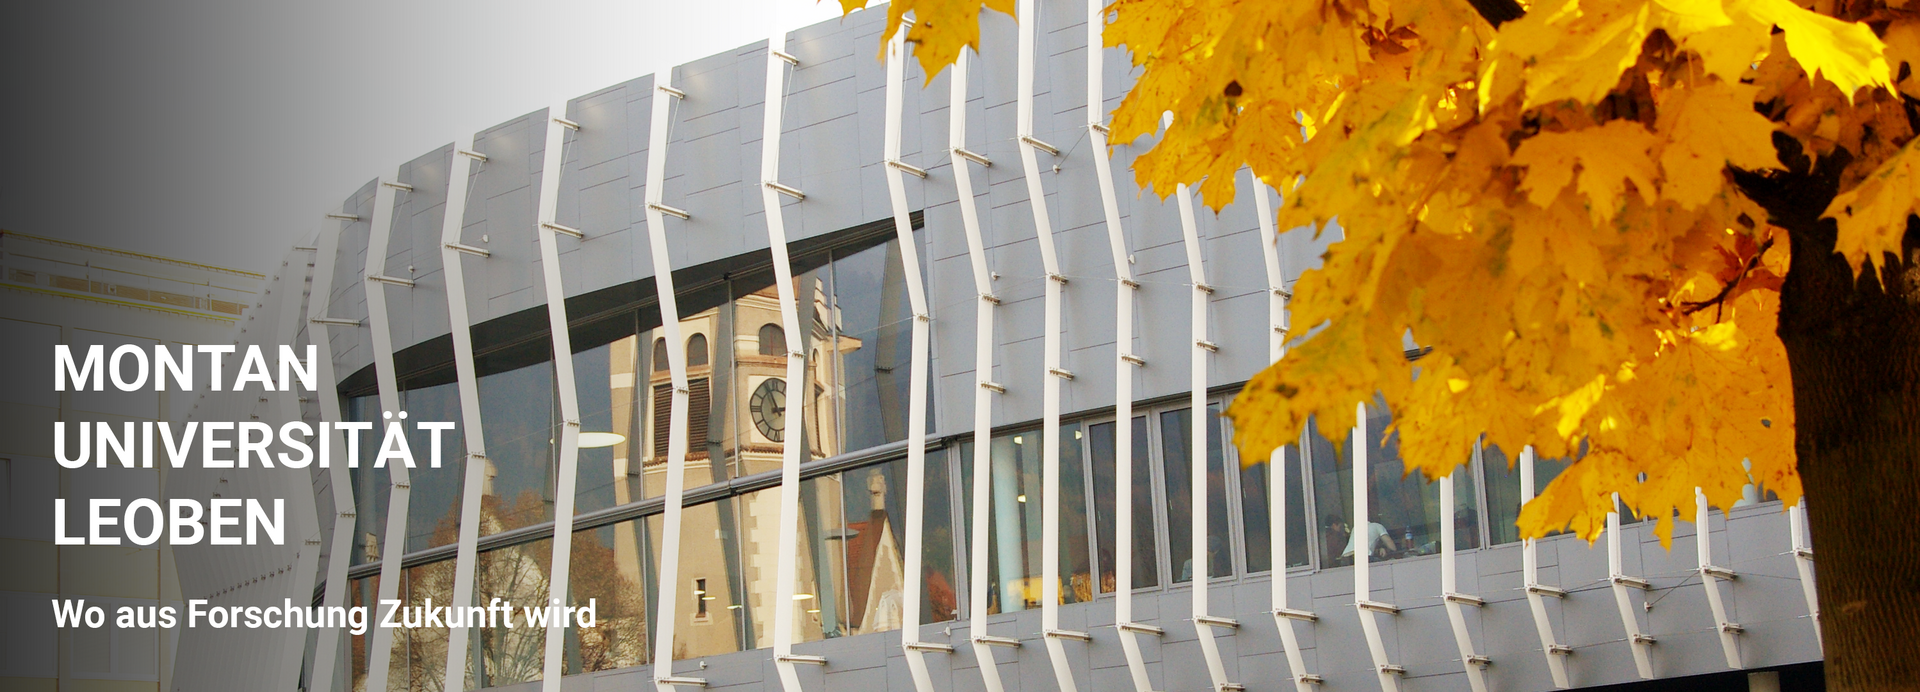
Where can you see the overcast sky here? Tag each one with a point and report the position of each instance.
(219, 130)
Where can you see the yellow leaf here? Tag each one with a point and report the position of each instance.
(1873, 215)
(1608, 156)
(1711, 126)
(941, 28)
(1845, 53)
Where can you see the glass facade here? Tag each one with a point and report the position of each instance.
(851, 575)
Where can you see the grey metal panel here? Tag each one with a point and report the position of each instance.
(352, 348)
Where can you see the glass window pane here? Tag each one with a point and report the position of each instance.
(605, 379)
(1404, 504)
(1101, 441)
(710, 617)
(1466, 509)
(1176, 431)
(942, 601)
(608, 571)
(1332, 494)
(433, 506)
(1014, 522)
(363, 593)
(773, 340)
(872, 322)
(420, 644)
(520, 575)
(518, 418)
(1503, 490)
(372, 489)
(1255, 484)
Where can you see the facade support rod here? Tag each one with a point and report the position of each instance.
(977, 576)
(1125, 360)
(1204, 622)
(1537, 593)
(1637, 638)
(1030, 149)
(474, 481)
(552, 167)
(917, 378)
(675, 492)
(1457, 602)
(790, 451)
(1370, 610)
(1278, 320)
(1711, 576)
(326, 655)
(300, 487)
(1803, 560)
(380, 646)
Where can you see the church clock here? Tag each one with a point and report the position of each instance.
(769, 408)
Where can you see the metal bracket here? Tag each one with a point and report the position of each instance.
(1037, 144)
(909, 169)
(336, 321)
(1718, 572)
(344, 217)
(991, 298)
(1545, 590)
(991, 640)
(569, 124)
(787, 190)
(1284, 293)
(1378, 607)
(970, 156)
(1301, 615)
(1393, 669)
(1644, 639)
(1479, 660)
(670, 211)
(557, 228)
(1309, 678)
(477, 156)
(397, 281)
(1204, 288)
(785, 57)
(1058, 277)
(1560, 649)
(1633, 582)
(992, 386)
(1068, 634)
(1465, 599)
(1208, 345)
(670, 91)
(1216, 621)
(682, 682)
(1138, 628)
(468, 249)
(1130, 283)
(1060, 373)
(1732, 628)
(1136, 360)
(403, 187)
(801, 658)
(930, 646)
(1102, 129)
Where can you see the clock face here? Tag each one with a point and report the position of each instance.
(769, 407)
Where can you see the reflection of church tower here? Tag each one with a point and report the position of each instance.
(875, 594)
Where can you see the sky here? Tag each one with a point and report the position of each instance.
(219, 131)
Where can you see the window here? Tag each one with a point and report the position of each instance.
(1405, 516)
(697, 350)
(1176, 432)
(773, 340)
(660, 363)
(1014, 531)
(517, 574)
(1101, 441)
(1502, 477)
(520, 420)
(1256, 512)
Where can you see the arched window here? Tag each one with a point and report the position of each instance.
(696, 350)
(773, 340)
(659, 355)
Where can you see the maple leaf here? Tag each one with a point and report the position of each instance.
(1608, 158)
(1707, 128)
(1873, 216)
(940, 30)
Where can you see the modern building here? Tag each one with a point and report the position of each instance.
(933, 405)
(61, 292)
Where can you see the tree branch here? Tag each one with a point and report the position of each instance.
(1719, 300)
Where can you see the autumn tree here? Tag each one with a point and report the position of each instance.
(1679, 232)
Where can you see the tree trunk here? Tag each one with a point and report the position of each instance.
(1853, 347)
